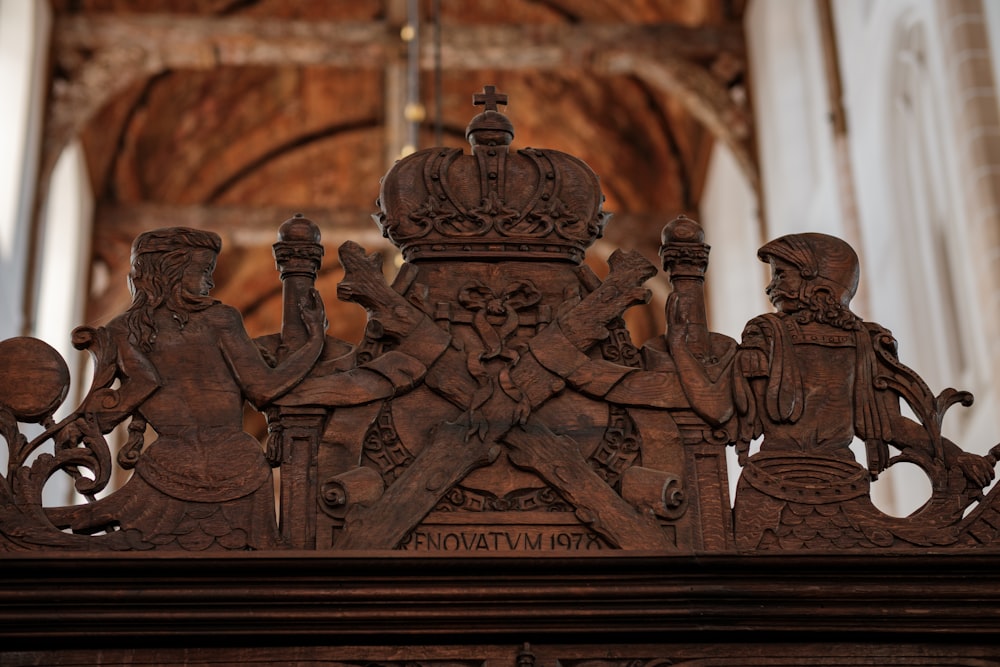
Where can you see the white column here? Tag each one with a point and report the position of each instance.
(24, 38)
(64, 262)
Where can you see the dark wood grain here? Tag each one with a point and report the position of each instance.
(496, 474)
(496, 403)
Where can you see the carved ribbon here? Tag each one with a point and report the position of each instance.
(487, 305)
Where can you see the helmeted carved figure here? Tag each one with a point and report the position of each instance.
(825, 263)
(807, 380)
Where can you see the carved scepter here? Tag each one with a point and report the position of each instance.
(295, 432)
(684, 254)
(298, 255)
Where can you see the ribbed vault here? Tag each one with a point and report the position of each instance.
(234, 114)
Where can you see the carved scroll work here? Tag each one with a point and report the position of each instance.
(515, 414)
(496, 403)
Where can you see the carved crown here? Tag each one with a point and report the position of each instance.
(441, 203)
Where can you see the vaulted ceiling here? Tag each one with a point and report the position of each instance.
(235, 114)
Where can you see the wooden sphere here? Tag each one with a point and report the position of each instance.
(34, 378)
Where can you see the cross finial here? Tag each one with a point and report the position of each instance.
(489, 98)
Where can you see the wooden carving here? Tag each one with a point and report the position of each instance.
(496, 403)
(810, 378)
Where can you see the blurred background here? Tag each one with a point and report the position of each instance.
(877, 122)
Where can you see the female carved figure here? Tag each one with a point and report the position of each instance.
(184, 365)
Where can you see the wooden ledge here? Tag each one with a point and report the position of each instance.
(92, 600)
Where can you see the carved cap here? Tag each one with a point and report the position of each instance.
(298, 251)
(443, 204)
(683, 250)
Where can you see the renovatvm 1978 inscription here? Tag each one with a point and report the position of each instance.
(428, 539)
(496, 403)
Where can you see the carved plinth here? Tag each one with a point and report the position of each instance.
(684, 254)
(294, 433)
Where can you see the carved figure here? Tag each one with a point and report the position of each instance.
(185, 365)
(808, 379)
(180, 363)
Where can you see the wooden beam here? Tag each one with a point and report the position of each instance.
(239, 225)
(205, 42)
(703, 95)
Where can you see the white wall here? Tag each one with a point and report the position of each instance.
(907, 191)
(24, 30)
(729, 214)
(64, 263)
(792, 118)
(64, 221)
(915, 248)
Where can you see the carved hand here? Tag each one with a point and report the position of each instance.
(977, 469)
(313, 313)
(586, 323)
(677, 326)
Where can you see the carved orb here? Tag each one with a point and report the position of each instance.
(298, 229)
(34, 378)
(682, 230)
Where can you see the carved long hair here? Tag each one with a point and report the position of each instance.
(159, 258)
(821, 305)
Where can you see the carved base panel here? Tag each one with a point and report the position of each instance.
(738, 654)
(551, 610)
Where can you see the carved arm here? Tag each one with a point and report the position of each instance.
(114, 359)
(710, 398)
(261, 383)
(385, 376)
